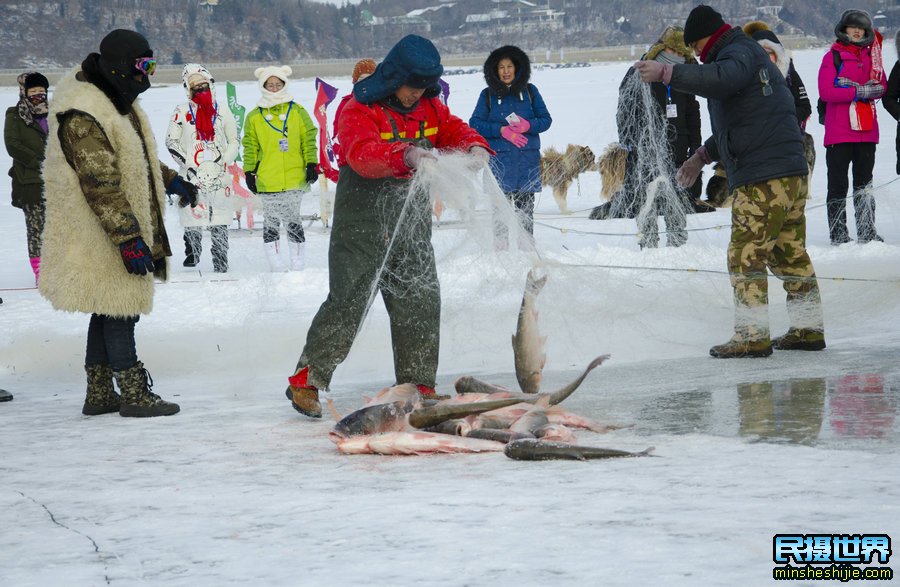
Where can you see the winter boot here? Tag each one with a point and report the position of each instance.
(36, 268)
(800, 339)
(837, 222)
(426, 392)
(192, 247)
(101, 396)
(276, 265)
(5, 396)
(298, 256)
(304, 397)
(137, 399)
(219, 235)
(737, 348)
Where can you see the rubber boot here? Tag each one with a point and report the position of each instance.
(276, 265)
(137, 399)
(101, 396)
(304, 397)
(298, 256)
(427, 392)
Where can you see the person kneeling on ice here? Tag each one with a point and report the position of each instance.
(386, 131)
(280, 163)
(104, 238)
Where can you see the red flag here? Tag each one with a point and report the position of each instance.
(325, 94)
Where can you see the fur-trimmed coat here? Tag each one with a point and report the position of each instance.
(124, 197)
(517, 169)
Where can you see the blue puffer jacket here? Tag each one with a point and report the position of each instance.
(756, 134)
(516, 169)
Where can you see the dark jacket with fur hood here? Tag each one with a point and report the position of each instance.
(756, 134)
(517, 169)
(891, 99)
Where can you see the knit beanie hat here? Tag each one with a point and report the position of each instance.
(363, 69)
(35, 80)
(702, 22)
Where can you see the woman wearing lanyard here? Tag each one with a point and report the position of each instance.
(203, 139)
(280, 162)
(681, 113)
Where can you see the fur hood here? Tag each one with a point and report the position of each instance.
(523, 70)
(769, 41)
(857, 18)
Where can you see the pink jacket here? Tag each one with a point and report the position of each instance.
(837, 114)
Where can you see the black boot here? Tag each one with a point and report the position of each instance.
(137, 399)
(101, 396)
(219, 236)
(837, 221)
(5, 396)
(192, 246)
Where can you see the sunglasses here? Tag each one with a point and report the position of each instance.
(145, 65)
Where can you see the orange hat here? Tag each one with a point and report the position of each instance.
(363, 69)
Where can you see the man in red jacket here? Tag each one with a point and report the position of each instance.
(381, 239)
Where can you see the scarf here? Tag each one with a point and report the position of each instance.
(669, 59)
(714, 41)
(204, 118)
(28, 111)
(269, 99)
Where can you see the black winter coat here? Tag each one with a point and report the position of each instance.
(801, 99)
(756, 136)
(891, 103)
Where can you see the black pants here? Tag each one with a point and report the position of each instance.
(523, 202)
(110, 341)
(838, 158)
(218, 235)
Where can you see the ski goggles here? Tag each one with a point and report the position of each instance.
(145, 65)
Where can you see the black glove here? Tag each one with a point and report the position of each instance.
(250, 178)
(137, 256)
(312, 173)
(185, 190)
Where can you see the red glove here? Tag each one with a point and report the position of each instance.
(513, 137)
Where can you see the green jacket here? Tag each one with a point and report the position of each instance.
(26, 146)
(277, 170)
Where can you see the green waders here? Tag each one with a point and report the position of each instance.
(372, 246)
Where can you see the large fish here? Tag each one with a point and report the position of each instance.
(503, 436)
(371, 420)
(466, 386)
(528, 345)
(539, 450)
(415, 443)
(427, 416)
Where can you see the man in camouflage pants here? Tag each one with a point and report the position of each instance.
(757, 139)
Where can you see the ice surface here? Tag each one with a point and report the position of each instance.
(239, 489)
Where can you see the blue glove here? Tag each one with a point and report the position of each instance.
(137, 256)
(185, 190)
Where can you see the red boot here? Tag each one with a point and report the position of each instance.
(426, 392)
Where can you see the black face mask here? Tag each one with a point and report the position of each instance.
(121, 77)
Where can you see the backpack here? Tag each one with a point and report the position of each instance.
(820, 105)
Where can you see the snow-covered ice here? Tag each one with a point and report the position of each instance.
(239, 489)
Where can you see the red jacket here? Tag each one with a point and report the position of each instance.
(366, 135)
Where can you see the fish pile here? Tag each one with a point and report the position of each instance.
(482, 417)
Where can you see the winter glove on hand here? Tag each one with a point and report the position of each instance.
(521, 127)
(185, 190)
(843, 82)
(414, 156)
(690, 170)
(137, 256)
(872, 90)
(312, 173)
(513, 137)
(250, 179)
(653, 71)
(480, 157)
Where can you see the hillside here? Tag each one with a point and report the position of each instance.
(59, 33)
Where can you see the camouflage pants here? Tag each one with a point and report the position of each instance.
(34, 227)
(768, 230)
